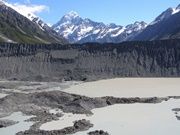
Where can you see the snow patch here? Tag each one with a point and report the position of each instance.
(72, 25)
(118, 33)
(175, 11)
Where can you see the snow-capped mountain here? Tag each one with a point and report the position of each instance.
(166, 14)
(76, 29)
(165, 26)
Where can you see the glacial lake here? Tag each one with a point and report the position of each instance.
(21, 126)
(128, 87)
(128, 119)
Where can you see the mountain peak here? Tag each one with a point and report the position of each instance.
(163, 16)
(77, 29)
(166, 14)
(71, 17)
(72, 14)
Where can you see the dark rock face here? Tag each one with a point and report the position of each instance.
(90, 61)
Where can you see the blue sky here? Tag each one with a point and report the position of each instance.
(121, 12)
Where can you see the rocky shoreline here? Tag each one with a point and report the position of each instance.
(80, 125)
(39, 104)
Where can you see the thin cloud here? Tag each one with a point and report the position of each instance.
(28, 8)
(32, 8)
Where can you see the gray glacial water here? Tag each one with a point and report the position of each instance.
(21, 126)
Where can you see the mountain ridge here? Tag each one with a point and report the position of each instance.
(17, 28)
(29, 28)
(165, 26)
(76, 29)
(80, 30)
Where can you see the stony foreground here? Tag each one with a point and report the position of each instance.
(39, 104)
